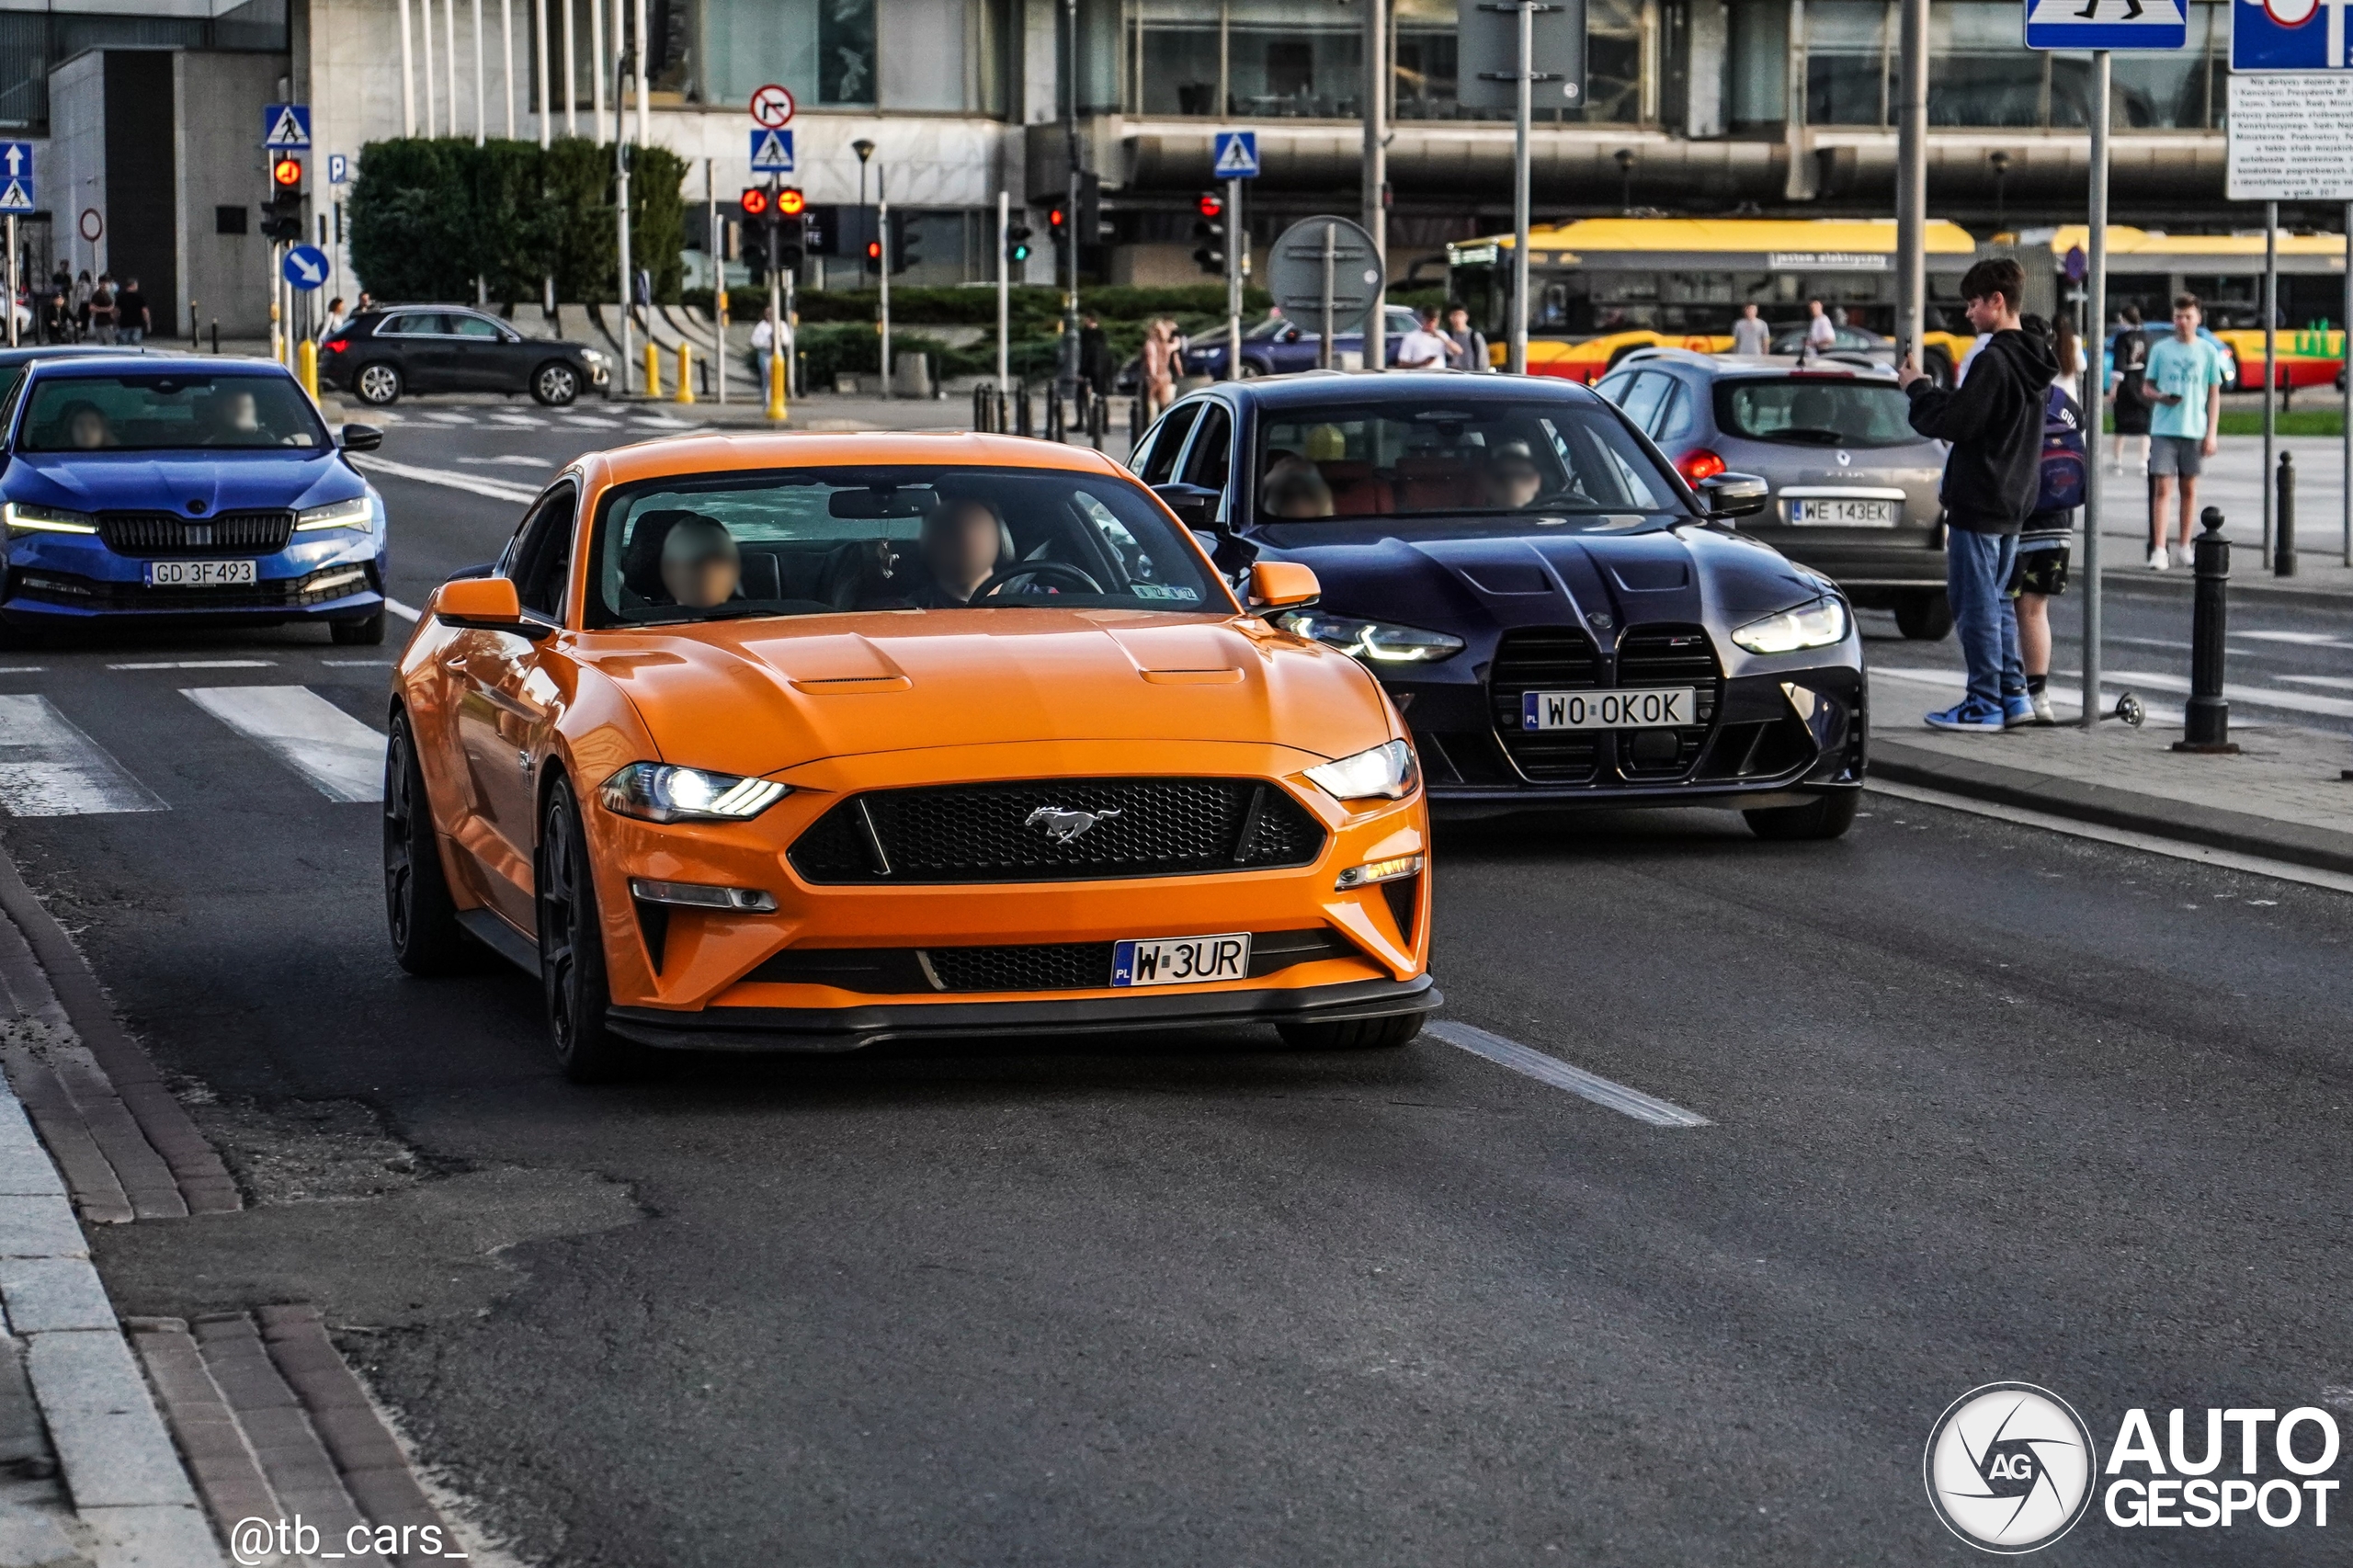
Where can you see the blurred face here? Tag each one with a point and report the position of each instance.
(959, 546)
(1458, 320)
(1512, 481)
(235, 412)
(87, 429)
(2186, 320)
(703, 572)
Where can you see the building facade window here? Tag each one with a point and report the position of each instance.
(33, 43)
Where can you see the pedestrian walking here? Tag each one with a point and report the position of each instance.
(1821, 333)
(102, 309)
(336, 319)
(2183, 377)
(82, 288)
(1163, 361)
(1749, 334)
(1470, 340)
(763, 348)
(57, 315)
(2129, 351)
(1095, 367)
(1425, 348)
(2040, 574)
(1994, 421)
(131, 313)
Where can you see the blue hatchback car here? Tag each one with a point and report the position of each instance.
(184, 489)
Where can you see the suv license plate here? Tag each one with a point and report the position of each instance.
(1843, 514)
(201, 573)
(1180, 961)
(1664, 709)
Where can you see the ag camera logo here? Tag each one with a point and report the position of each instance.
(2009, 1468)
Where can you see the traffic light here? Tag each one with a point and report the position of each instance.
(1094, 229)
(754, 203)
(874, 256)
(791, 241)
(1210, 254)
(281, 216)
(1058, 226)
(906, 242)
(1016, 240)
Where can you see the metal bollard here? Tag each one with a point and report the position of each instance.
(1135, 423)
(1053, 413)
(2207, 721)
(1021, 423)
(2283, 544)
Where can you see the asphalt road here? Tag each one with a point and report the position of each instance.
(1985, 1103)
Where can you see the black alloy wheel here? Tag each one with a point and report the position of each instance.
(572, 949)
(555, 384)
(419, 910)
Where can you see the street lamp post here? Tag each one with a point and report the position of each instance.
(865, 151)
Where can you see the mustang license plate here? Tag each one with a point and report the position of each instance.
(201, 573)
(1180, 961)
(1663, 708)
(1832, 512)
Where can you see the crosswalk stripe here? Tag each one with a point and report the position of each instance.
(335, 752)
(50, 769)
(496, 489)
(1560, 1075)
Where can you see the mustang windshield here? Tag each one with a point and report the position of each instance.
(168, 412)
(1475, 457)
(814, 542)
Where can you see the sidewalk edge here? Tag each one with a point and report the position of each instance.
(2139, 583)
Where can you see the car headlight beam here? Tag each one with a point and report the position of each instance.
(356, 513)
(1817, 623)
(1378, 642)
(1388, 772)
(22, 518)
(661, 791)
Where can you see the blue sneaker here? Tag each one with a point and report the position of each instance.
(1969, 716)
(2018, 712)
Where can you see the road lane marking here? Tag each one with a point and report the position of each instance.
(407, 612)
(518, 422)
(1560, 1075)
(50, 769)
(23, 669)
(197, 664)
(356, 664)
(508, 459)
(496, 489)
(343, 757)
(2252, 696)
(2335, 683)
(2303, 639)
(441, 416)
(590, 422)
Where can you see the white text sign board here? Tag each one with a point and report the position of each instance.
(2291, 138)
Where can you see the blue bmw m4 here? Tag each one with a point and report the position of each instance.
(187, 490)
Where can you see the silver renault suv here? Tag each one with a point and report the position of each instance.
(1853, 487)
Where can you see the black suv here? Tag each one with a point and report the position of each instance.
(427, 349)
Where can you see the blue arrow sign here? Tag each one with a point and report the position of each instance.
(338, 168)
(16, 177)
(2107, 24)
(305, 266)
(771, 152)
(1237, 156)
(285, 127)
(2288, 35)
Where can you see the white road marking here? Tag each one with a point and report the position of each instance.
(510, 460)
(590, 420)
(335, 752)
(356, 664)
(518, 421)
(2281, 870)
(50, 769)
(2304, 639)
(496, 489)
(22, 669)
(2253, 696)
(2338, 683)
(1560, 1075)
(407, 612)
(197, 664)
(2064, 686)
(441, 418)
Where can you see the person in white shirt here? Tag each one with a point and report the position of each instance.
(1749, 334)
(1425, 348)
(1820, 332)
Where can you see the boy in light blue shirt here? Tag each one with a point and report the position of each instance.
(2182, 383)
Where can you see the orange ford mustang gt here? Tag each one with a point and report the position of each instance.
(801, 742)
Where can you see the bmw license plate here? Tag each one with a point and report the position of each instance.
(1663, 708)
(1180, 961)
(201, 573)
(1831, 512)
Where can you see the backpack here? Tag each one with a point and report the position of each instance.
(2061, 488)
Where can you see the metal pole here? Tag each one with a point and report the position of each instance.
(506, 60)
(1324, 342)
(597, 66)
(540, 41)
(883, 237)
(644, 134)
(1517, 363)
(12, 281)
(482, 115)
(572, 68)
(1003, 292)
(408, 78)
(1376, 174)
(717, 281)
(449, 59)
(425, 37)
(2096, 319)
(1237, 251)
(1911, 185)
(2345, 357)
(1068, 359)
(621, 206)
(2270, 364)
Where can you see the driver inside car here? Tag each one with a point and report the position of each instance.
(701, 566)
(1511, 478)
(963, 540)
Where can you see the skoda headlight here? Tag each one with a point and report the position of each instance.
(24, 519)
(1388, 772)
(659, 791)
(593, 355)
(356, 513)
(1816, 624)
(1378, 641)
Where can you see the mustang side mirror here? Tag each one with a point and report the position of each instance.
(360, 439)
(484, 604)
(1283, 584)
(1731, 495)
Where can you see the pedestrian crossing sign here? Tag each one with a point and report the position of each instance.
(771, 152)
(2108, 24)
(17, 195)
(286, 125)
(1237, 156)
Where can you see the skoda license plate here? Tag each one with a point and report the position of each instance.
(1180, 961)
(1665, 708)
(1832, 512)
(201, 573)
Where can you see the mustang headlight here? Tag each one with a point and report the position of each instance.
(1816, 624)
(1388, 772)
(1379, 641)
(356, 513)
(659, 791)
(27, 519)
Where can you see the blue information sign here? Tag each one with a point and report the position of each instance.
(285, 127)
(16, 177)
(1236, 156)
(771, 152)
(305, 266)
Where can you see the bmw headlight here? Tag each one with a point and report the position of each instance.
(1387, 772)
(27, 519)
(356, 513)
(1816, 624)
(1378, 641)
(659, 792)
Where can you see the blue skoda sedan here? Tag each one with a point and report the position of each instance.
(184, 489)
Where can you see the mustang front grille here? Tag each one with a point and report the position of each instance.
(224, 533)
(1053, 966)
(1062, 830)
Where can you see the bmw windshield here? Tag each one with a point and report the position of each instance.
(168, 412)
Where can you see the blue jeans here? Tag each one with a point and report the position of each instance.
(1977, 571)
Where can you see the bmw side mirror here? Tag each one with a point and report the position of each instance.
(1194, 506)
(1731, 495)
(360, 439)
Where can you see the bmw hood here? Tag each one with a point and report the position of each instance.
(193, 483)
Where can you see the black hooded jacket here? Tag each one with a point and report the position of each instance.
(1994, 420)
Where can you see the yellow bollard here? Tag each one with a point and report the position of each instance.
(686, 371)
(776, 386)
(306, 353)
(653, 370)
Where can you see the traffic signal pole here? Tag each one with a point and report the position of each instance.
(883, 238)
(1237, 256)
(1376, 177)
(12, 281)
(620, 206)
(1003, 292)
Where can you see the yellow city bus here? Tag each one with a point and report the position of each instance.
(1600, 288)
(2147, 269)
